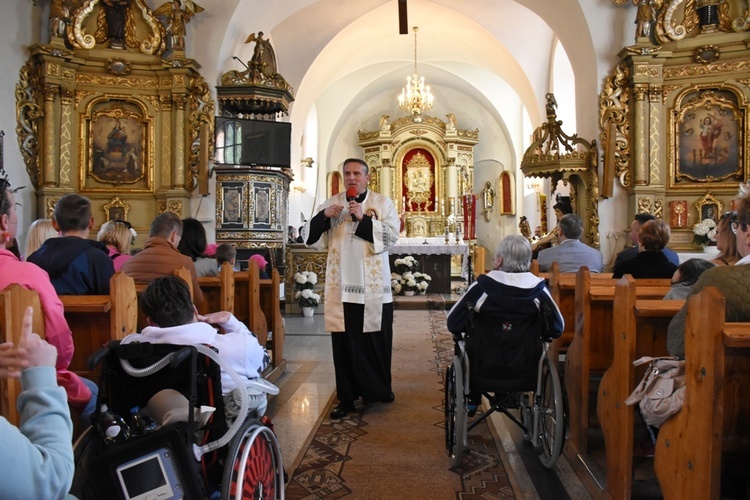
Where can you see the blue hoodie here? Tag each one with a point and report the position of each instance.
(506, 296)
(76, 266)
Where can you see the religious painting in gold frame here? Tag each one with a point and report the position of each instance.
(507, 192)
(708, 207)
(708, 128)
(117, 144)
(116, 210)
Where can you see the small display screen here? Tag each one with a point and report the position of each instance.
(142, 476)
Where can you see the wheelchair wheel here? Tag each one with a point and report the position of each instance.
(551, 421)
(253, 467)
(455, 413)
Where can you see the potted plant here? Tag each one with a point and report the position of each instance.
(704, 233)
(408, 283)
(423, 282)
(304, 282)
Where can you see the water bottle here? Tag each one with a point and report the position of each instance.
(139, 423)
(112, 426)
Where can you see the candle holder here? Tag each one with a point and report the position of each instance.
(458, 234)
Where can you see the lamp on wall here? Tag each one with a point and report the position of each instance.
(298, 186)
(307, 162)
(415, 96)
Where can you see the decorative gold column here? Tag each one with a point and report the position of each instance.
(178, 142)
(640, 135)
(49, 139)
(67, 133)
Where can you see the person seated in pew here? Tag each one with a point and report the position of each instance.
(226, 253)
(39, 231)
(173, 319)
(651, 262)
(160, 256)
(117, 235)
(81, 392)
(507, 292)
(262, 265)
(570, 253)
(37, 458)
(550, 239)
(685, 277)
(76, 265)
(193, 244)
(732, 281)
(726, 241)
(635, 227)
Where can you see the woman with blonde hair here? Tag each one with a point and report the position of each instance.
(40, 231)
(726, 241)
(117, 235)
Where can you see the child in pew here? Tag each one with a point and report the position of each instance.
(226, 253)
(262, 265)
(76, 265)
(685, 277)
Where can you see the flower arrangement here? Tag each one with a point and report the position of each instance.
(704, 233)
(408, 279)
(406, 265)
(423, 281)
(304, 282)
(307, 298)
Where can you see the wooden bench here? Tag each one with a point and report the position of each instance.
(218, 291)
(13, 303)
(590, 353)
(97, 319)
(640, 329)
(270, 304)
(715, 417)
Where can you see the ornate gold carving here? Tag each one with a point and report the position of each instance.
(161, 207)
(639, 91)
(51, 202)
(641, 70)
(83, 94)
(175, 206)
(179, 101)
(735, 66)
(118, 81)
(645, 204)
(50, 92)
(705, 208)
(116, 208)
(418, 180)
(66, 143)
(706, 54)
(668, 89)
(28, 115)
(201, 113)
(68, 74)
(614, 107)
(669, 29)
(67, 95)
(53, 69)
(654, 93)
(166, 102)
(118, 66)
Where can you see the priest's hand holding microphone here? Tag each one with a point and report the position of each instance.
(333, 211)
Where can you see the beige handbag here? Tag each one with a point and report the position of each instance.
(661, 393)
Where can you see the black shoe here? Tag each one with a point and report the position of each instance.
(389, 398)
(343, 409)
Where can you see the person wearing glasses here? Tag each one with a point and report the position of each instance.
(726, 241)
(732, 281)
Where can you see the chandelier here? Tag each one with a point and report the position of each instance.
(415, 96)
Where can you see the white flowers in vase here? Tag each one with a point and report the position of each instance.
(307, 298)
(704, 232)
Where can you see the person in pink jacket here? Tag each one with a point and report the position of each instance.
(56, 330)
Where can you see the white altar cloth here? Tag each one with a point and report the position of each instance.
(434, 246)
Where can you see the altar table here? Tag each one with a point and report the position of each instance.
(434, 259)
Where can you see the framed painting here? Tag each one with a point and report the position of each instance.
(116, 209)
(708, 131)
(118, 151)
(709, 207)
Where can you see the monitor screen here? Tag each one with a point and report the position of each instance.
(252, 142)
(144, 478)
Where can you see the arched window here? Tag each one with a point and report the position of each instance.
(229, 142)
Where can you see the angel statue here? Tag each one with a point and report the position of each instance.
(645, 16)
(264, 58)
(174, 18)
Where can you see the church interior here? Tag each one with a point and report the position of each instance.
(475, 117)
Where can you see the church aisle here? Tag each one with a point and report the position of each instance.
(308, 389)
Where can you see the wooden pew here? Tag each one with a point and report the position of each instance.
(590, 353)
(640, 329)
(97, 319)
(270, 304)
(13, 303)
(218, 291)
(716, 412)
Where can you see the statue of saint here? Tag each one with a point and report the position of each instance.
(174, 18)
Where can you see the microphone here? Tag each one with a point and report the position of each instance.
(351, 195)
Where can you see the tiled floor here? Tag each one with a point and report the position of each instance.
(308, 385)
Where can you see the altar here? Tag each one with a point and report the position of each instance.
(434, 258)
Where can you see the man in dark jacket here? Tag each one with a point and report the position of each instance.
(76, 265)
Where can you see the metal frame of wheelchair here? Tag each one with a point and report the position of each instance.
(249, 466)
(541, 413)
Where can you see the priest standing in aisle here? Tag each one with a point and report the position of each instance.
(358, 228)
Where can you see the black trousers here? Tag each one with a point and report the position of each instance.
(363, 360)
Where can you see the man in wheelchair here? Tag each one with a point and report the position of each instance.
(173, 319)
(509, 301)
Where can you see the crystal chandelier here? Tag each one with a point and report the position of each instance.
(416, 96)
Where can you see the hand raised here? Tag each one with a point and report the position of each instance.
(333, 211)
(215, 318)
(37, 351)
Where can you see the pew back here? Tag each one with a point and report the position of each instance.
(13, 303)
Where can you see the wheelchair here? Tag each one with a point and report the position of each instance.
(189, 457)
(507, 362)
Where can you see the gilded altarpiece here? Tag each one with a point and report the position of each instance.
(424, 168)
(673, 115)
(113, 113)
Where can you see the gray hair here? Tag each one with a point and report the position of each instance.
(516, 253)
(571, 226)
